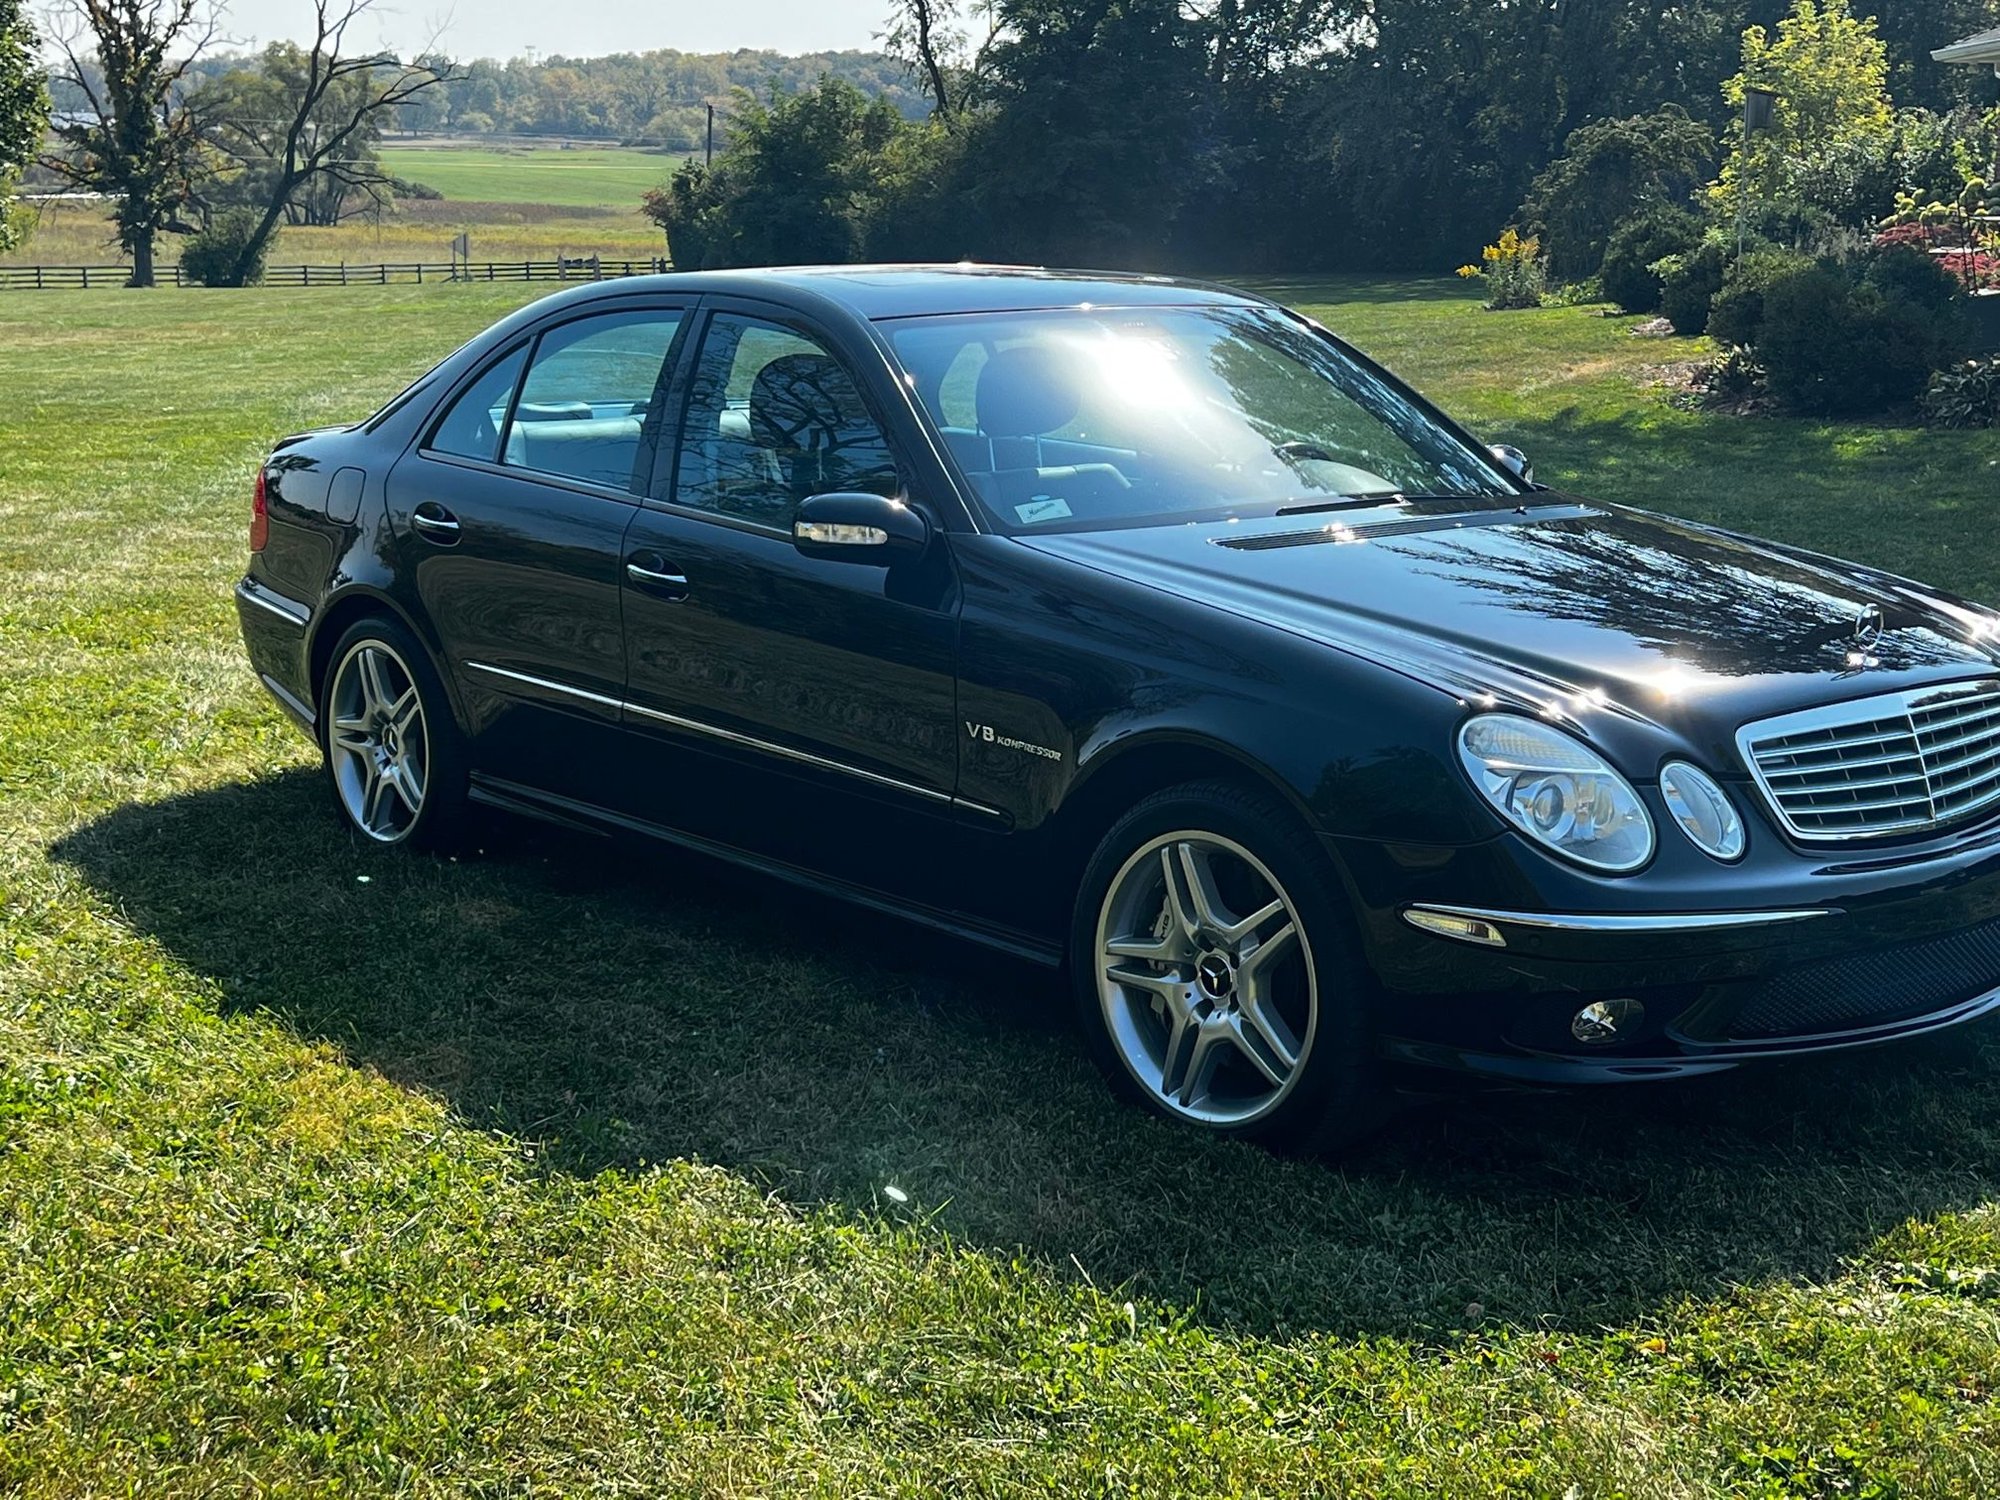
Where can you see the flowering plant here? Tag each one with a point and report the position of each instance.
(1954, 231)
(1975, 269)
(1516, 275)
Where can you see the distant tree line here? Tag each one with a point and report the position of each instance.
(653, 98)
(1377, 134)
(656, 98)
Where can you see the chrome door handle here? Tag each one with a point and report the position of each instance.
(434, 522)
(655, 578)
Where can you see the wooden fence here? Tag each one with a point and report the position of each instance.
(568, 268)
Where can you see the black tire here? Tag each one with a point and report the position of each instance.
(1331, 1095)
(441, 819)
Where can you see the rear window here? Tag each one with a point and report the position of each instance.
(470, 427)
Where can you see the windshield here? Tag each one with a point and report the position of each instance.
(1082, 418)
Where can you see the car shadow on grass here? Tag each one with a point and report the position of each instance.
(622, 1006)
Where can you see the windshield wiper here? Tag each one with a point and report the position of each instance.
(1401, 497)
(1345, 502)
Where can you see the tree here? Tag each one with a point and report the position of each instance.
(1085, 154)
(1250, 42)
(1834, 122)
(309, 137)
(137, 140)
(1913, 29)
(1609, 171)
(24, 109)
(245, 112)
(796, 185)
(928, 37)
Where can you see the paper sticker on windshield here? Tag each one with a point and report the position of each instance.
(1042, 508)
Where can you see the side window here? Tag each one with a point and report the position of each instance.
(583, 406)
(471, 427)
(772, 418)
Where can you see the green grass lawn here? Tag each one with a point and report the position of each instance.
(587, 177)
(566, 1169)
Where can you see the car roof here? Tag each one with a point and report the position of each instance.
(906, 291)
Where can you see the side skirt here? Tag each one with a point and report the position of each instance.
(509, 796)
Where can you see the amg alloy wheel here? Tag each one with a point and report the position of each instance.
(378, 742)
(395, 758)
(1205, 978)
(1216, 974)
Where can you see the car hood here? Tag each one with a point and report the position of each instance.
(1567, 607)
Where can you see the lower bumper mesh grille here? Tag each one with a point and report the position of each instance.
(1873, 988)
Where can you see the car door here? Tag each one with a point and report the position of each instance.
(818, 696)
(511, 514)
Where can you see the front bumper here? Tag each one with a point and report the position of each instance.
(1840, 956)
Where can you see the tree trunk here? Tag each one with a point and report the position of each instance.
(142, 261)
(267, 224)
(927, 51)
(1225, 42)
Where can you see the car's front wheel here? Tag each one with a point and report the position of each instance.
(395, 758)
(1215, 974)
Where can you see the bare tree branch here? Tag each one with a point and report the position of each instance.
(335, 106)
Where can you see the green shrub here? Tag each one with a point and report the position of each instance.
(1608, 171)
(1835, 345)
(1731, 379)
(1913, 274)
(1585, 293)
(1737, 314)
(1965, 395)
(1688, 286)
(1634, 248)
(213, 257)
(828, 174)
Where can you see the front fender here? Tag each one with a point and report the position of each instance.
(1065, 671)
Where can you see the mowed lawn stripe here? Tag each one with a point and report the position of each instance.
(586, 177)
(564, 1166)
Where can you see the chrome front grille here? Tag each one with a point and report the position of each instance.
(1898, 763)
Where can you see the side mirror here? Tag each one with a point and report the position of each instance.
(1514, 461)
(859, 528)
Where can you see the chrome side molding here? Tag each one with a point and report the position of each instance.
(289, 610)
(1472, 924)
(748, 741)
(544, 683)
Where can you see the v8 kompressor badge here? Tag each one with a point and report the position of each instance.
(988, 735)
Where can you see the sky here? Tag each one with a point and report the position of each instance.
(510, 28)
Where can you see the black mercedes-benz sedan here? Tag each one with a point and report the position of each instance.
(1144, 629)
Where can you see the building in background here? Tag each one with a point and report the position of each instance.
(1983, 49)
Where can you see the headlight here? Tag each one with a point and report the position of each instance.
(1558, 791)
(1703, 810)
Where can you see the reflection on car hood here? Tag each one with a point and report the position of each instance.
(1560, 601)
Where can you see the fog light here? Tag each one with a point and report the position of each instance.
(1604, 1021)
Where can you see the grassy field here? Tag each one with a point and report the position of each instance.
(580, 177)
(516, 203)
(567, 1169)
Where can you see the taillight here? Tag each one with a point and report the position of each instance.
(260, 515)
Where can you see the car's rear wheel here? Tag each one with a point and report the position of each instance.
(1215, 973)
(394, 755)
